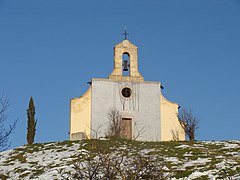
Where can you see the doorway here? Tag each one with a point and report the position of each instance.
(126, 128)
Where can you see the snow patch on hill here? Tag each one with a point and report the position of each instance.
(209, 159)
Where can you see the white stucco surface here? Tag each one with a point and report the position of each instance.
(142, 106)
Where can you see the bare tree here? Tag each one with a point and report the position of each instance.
(114, 117)
(189, 123)
(116, 128)
(5, 133)
(86, 167)
(96, 132)
(105, 164)
(140, 132)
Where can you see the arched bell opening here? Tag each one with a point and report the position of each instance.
(125, 64)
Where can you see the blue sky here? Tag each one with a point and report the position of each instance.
(51, 49)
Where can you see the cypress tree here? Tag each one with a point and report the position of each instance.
(31, 124)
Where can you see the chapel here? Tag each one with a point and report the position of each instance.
(146, 114)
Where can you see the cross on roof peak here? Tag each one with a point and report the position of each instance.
(125, 33)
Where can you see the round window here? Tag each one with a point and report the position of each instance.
(126, 92)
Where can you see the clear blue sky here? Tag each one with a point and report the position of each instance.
(51, 49)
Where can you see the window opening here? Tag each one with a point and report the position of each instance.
(126, 92)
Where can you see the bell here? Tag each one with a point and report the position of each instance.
(125, 65)
(125, 68)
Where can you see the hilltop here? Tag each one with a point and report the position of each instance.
(175, 160)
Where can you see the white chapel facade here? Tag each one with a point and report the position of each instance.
(141, 103)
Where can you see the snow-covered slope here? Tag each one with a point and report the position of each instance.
(179, 160)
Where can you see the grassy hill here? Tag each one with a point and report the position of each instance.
(171, 160)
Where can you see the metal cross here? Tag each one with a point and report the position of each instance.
(125, 34)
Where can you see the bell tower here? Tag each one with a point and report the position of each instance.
(122, 65)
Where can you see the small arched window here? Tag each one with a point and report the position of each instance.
(125, 64)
